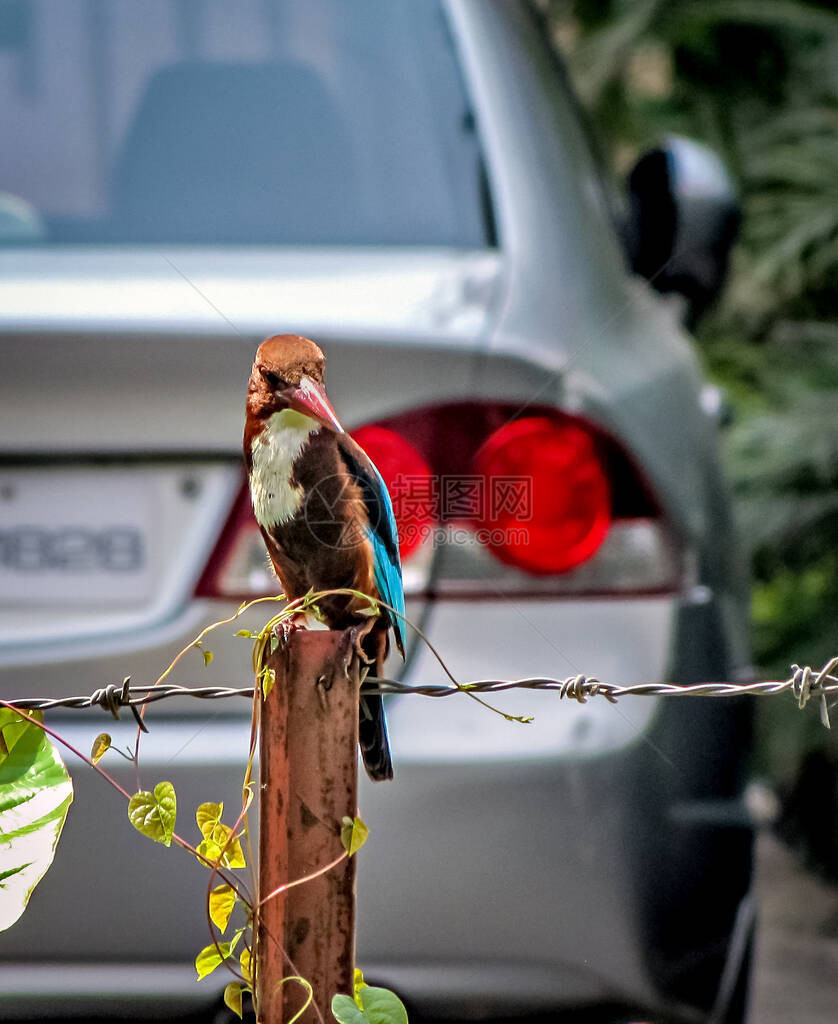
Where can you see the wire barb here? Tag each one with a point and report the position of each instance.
(112, 698)
(804, 687)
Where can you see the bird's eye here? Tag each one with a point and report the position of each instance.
(272, 379)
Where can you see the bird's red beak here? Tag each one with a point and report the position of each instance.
(310, 399)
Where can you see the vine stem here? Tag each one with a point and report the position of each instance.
(306, 603)
(60, 739)
(305, 878)
(207, 629)
(247, 793)
(523, 719)
(178, 840)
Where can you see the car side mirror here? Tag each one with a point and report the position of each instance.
(683, 219)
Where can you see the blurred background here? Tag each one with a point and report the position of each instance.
(759, 83)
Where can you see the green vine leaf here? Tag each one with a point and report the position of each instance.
(357, 984)
(346, 1012)
(208, 852)
(154, 814)
(215, 840)
(233, 997)
(221, 902)
(13, 727)
(371, 1005)
(206, 655)
(36, 795)
(208, 816)
(381, 1006)
(353, 834)
(233, 856)
(268, 681)
(244, 963)
(209, 958)
(246, 633)
(101, 745)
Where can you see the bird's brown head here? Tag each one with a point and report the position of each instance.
(288, 374)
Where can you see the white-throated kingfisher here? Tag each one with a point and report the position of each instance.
(324, 512)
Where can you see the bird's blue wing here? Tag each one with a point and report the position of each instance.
(387, 567)
(381, 532)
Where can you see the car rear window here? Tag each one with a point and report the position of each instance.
(258, 122)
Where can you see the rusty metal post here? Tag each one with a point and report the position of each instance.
(309, 782)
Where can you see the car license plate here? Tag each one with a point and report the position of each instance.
(77, 536)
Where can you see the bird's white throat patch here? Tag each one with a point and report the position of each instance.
(274, 451)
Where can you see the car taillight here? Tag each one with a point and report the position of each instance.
(563, 514)
(488, 500)
(526, 502)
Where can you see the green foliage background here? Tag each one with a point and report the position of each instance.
(758, 81)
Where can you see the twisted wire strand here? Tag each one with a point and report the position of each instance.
(804, 684)
(113, 697)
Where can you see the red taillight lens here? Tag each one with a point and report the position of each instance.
(500, 501)
(548, 505)
(409, 480)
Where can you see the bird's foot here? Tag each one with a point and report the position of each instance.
(356, 636)
(285, 629)
(351, 647)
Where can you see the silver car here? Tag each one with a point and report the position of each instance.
(410, 183)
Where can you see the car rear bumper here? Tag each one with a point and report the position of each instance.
(505, 861)
(60, 988)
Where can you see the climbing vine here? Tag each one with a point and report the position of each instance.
(37, 792)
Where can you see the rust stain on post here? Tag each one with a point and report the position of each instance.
(309, 781)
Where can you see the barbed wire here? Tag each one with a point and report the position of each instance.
(804, 684)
